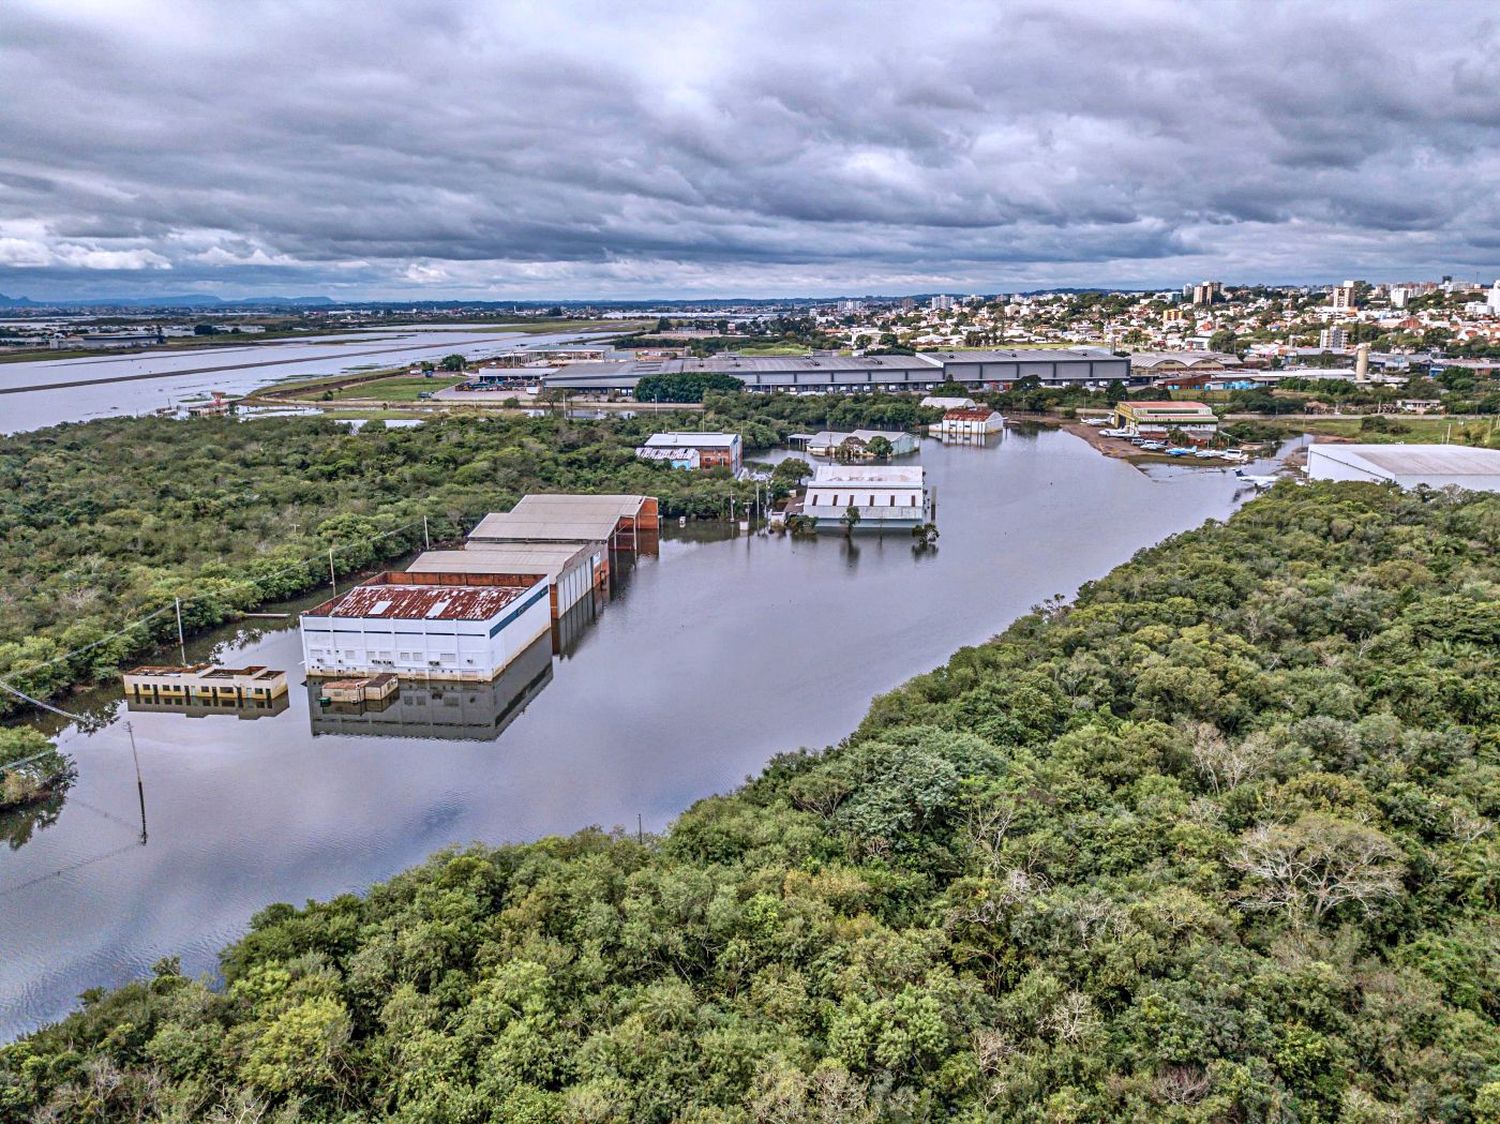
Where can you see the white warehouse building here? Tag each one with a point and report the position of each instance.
(884, 495)
(397, 623)
(1410, 466)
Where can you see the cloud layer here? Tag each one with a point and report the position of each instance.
(452, 149)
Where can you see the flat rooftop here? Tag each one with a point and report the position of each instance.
(905, 475)
(1413, 460)
(420, 602)
(691, 440)
(503, 558)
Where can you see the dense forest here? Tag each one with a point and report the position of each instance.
(1215, 842)
(105, 523)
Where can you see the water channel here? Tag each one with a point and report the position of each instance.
(719, 653)
(79, 389)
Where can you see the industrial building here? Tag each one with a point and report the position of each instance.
(833, 442)
(885, 496)
(575, 570)
(416, 628)
(446, 711)
(1409, 466)
(822, 374)
(203, 682)
(1193, 418)
(625, 523)
(969, 421)
(695, 450)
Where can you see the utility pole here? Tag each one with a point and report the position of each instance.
(181, 641)
(140, 789)
(426, 542)
(332, 577)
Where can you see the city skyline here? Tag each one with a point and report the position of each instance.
(487, 152)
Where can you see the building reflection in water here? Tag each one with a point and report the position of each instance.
(453, 711)
(202, 708)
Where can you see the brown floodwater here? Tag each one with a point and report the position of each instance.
(712, 657)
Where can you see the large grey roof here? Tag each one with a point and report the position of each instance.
(1417, 460)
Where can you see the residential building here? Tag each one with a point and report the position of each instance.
(1205, 291)
(1408, 466)
(695, 450)
(1341, 297)
(412, 627)
(885, 496)
(1332, 338)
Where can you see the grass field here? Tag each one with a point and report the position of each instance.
(397, 388)
(1482, 432)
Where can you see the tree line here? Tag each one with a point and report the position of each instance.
(1214, 842)
(108, 522)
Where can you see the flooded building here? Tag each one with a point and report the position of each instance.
(1160, 418)
(575, 570)
(1408, 466)
(969, 421)
(695, 450)
(203, 682)
(446, 711)
(833, 442)
(884, 496)
(419, 629)
(628, 524)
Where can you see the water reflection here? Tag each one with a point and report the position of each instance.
(19, 825)
(708, 660)
(247, 709)
(447, 711)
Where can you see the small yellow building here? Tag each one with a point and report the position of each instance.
(202, 681)
(1193, 418)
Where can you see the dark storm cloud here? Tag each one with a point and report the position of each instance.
(473, 148)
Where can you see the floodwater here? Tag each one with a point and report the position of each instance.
(712, 657)
(68, 390)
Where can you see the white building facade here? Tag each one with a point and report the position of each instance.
(884, 496)
(424, 632)
(1409, 466)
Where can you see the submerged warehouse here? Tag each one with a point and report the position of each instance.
(466, 614)
(421, 630)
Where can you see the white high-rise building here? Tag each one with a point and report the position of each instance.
(1342, 297)
(1332, 338)
(1400, 295)
(1493, 300)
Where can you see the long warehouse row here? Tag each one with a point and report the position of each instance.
(465, 614)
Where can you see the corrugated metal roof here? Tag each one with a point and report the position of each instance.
(496, 558)
(1418, 460)
(903, 476)
(560, 518)
(421, 602)
(692, 440)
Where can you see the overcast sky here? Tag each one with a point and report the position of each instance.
(411, 149)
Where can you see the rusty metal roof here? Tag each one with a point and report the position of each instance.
(421, 602)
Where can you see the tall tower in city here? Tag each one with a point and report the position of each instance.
(1342, 297)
